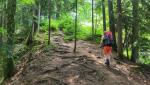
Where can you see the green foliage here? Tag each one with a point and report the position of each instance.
(143, 19)
(144, 39)
(67, 25)
(144, 58)
(129, 53)
(6, 63)
(19, 51)
(21, 34)
(84, 10)
(3, 31)
(66, 21)
(84, 32)
(27, 2)
(54, 24)
(144, 49)
(45, 23)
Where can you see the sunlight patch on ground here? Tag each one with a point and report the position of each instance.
(71, 80)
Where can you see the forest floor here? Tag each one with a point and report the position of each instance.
(58, 65)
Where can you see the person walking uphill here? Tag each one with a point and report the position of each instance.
(106, 45)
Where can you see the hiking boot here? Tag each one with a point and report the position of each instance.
(107, 62)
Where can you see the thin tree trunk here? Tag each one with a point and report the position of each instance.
(55, 8)
(35, 20)
(111, 23)
(49, 28)
(93, 19)
(96, 25)
(30, 37)
(21, 17)
(1, 18)
(4, 14)
(1, 23)
(127, 51)
(104, 15)
(58, 8)
(135, 31)
(39, 14)
(75, 35)
(119, 27)
(1, 39)
(126, 41)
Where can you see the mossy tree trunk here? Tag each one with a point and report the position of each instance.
(11, 10)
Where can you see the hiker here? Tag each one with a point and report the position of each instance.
(106, 44)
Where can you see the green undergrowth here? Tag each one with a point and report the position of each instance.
(66, 24)
(49, 48)
(83, 33)
(19, 51)
(54, 25)
(144, 57)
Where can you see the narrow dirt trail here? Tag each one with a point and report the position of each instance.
(60, 66)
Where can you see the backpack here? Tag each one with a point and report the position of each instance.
(107, 40)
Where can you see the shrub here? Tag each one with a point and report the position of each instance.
(45, 23)
(67, 26)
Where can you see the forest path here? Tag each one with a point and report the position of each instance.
(58, 65)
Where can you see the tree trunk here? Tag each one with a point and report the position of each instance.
(1, 39)
(35, 20)
(135, 31)
(93, 19)
(56, 8)
(126, 41)
(49, 28)
(111, 23)
(33, 29)
(39, 15)
(76, 24)
(119, 27)
(1, 19)
(11, 9)
(104, 15)
(96, 25)
(4, 14)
